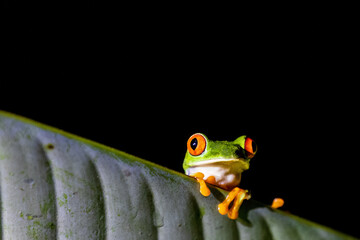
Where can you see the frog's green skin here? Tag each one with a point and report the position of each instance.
(225, 160)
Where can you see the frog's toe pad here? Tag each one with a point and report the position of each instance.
(277, 203)
(223, 208)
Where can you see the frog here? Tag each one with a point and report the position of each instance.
(221, 163)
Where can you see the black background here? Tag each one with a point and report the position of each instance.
(142, 79)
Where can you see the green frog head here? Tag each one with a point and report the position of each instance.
(201, 151)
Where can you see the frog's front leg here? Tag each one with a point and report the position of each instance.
(204, 190)
(237, 195)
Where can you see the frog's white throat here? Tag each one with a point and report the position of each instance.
(227, 172)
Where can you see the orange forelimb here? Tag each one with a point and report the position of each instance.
(204, 190)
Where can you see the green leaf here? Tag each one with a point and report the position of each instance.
(54, 184)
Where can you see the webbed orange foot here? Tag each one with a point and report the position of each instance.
(277, 203)
(238, 195)
(204, 190)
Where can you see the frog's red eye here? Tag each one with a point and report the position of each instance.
(196, 144)
(250, 147)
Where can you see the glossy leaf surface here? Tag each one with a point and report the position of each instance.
(57, 185)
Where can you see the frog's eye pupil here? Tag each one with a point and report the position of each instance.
(194, 143)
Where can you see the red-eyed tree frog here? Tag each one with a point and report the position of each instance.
(221, 163)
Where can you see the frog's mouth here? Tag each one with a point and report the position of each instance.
(240, 162)
(219, 160)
